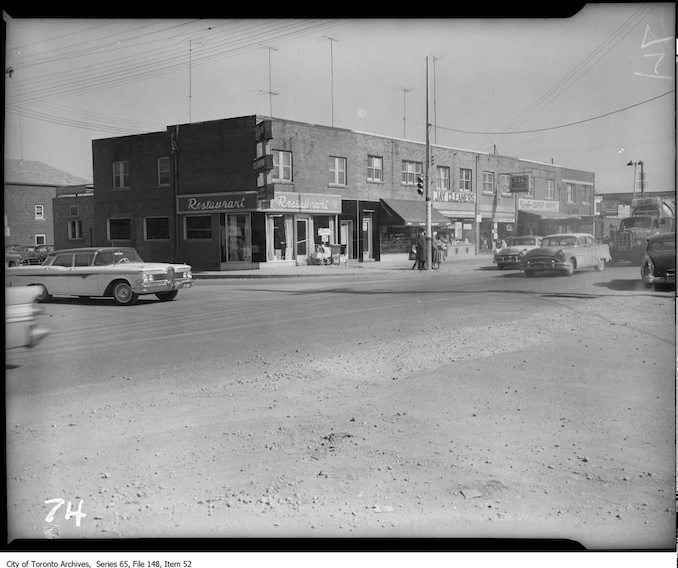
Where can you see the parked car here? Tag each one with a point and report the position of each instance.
(29, 253)
(565, 253)
(21, 327)
(117, 272)
(658, 266)
(512, 254)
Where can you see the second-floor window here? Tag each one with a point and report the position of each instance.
(120, 174)
(570, 193)
(163, 171)
(282, 166)
(375, 168)
(74, 230)
(586, 197)
(442, 178)
(530, 190)
(504, 182)
(74, 211)
(488, 183)
(465, 179)
(550, 189)
(39, 211)
(412, 170)
(337, 170)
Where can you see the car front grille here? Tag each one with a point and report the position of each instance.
(623, 240)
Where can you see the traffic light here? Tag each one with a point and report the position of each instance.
(420, 185)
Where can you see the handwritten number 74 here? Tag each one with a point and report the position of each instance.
(78, 514)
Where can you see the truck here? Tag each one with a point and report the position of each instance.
(649, 215)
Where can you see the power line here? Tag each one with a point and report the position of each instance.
(560, 125)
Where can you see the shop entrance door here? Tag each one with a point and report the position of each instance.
(346, 237)
(368, 252)
(301, 239)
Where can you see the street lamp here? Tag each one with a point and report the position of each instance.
(642, 176)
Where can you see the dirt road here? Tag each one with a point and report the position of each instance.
(531, 426)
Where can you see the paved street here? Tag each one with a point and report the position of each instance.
(381, 401)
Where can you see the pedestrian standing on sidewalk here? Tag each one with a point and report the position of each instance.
(421, 250)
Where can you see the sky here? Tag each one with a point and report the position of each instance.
(592, 92)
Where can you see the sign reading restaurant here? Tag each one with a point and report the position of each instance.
(217, 202)
(287, 201)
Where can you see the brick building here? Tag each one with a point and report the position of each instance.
(29, 190)
(247, 191)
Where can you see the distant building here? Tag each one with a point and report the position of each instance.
(248, 191)
(29, 190)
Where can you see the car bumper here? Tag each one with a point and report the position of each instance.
(154, 287)
(544, 264)
(507, 260)
(664, 279)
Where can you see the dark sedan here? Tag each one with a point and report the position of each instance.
(658, 266)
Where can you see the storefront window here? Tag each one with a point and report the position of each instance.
(237, 242)
(198, 227)
(324, 229)
(280, 226)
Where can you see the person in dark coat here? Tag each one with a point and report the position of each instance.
(421, 250)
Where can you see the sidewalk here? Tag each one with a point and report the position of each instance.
(351, 268)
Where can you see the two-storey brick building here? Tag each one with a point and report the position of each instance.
(247, 191)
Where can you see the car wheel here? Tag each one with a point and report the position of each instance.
(167, 296)
(529, 273)
(44, 295)
(569, 271)
(123, 295)
(601, 265)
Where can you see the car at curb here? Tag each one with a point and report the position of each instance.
(21, 326)
(564, 253)
(511, 256)
(658, 265)
(115, 272)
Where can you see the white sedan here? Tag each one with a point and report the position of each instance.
(116, 272)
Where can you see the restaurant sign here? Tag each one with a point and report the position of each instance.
(286, 201)
(217, 202)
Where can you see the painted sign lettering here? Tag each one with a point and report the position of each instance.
(227, 202)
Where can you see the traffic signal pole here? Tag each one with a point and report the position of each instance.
(429, 251)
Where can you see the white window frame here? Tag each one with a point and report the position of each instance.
(550, 189)
(108, 228)
(465, 179)
(570, 193)
(531, 185)
(442, 178)
(75, 230)
(146, 228)
(375, 168)
(121, 174)
(410, 171)
(338, 169)
(282, 166)
(504, 184)
(39, 212)
(164, 170)
(488, 183)
(39, 239)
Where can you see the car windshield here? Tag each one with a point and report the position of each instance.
(560, 241)
(639, 222)
(115, 256)
(664, 244)
(521, 241)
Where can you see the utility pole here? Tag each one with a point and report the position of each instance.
(405, 91)
(429, 251)
(332, 40)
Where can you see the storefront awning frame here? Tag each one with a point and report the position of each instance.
(410, 213)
